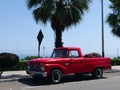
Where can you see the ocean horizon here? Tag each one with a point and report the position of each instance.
(22, 56)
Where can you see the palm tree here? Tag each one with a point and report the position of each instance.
(114, 17)
(60, 13)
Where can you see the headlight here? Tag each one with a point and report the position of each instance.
(28, 67)
(42, 67)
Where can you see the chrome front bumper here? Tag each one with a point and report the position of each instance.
(33, 73)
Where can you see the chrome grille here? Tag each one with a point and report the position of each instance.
(35, 68)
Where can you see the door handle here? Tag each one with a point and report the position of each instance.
(67, 64)
(71, 60)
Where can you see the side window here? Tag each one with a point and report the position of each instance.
(74, 54)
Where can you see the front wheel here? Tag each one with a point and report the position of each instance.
(1, 73)
(56, 76)
(98, 73)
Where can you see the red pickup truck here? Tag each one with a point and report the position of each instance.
(65, 61)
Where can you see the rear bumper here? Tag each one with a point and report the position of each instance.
(36, 73)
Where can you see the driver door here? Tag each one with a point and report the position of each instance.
(77, 64)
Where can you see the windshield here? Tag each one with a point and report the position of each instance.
(59, 53)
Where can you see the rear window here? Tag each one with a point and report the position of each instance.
(74, 54)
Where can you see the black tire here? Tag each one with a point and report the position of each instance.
(98, 73)
(56, 76)
(1, 73)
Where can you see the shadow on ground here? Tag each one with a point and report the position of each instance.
(66, 79)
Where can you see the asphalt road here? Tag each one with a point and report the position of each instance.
(110, 81)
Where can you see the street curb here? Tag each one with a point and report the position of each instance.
(112, 71)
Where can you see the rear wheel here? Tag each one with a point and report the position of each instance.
(98, 73)
(56, 76)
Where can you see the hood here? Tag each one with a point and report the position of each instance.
(45, 60)
(40, 60)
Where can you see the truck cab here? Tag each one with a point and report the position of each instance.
(67, 52)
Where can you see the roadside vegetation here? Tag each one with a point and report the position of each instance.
(116, 61)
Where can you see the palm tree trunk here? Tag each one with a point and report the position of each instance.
(58, 39)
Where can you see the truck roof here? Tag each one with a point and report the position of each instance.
(70, 48)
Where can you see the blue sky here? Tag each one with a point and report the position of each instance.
(18, 31)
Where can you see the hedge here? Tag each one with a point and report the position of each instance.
(22, 65)
(115, 61)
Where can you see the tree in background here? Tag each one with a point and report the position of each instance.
(60, 13)
(114, 17)
(30, 57)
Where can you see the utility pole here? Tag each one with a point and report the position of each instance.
(44, 51)
(103, 54)
(117, 53)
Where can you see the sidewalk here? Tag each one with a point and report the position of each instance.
(16, 75)
(13, 76)
(114, 69)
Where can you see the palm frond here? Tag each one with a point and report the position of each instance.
(112, 20)
(33, 3)
(41, 14)
(44, 13)
(81, 5)
(116, 31)
(73, 17)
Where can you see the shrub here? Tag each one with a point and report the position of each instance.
(7, 60)
(115, 61)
